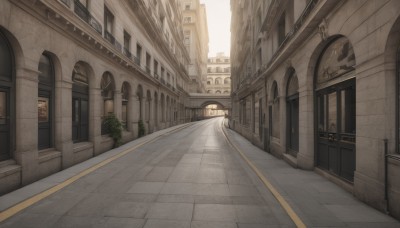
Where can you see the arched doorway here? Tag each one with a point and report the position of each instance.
(7, 100)
(80, 103)
(45, 102)
(335, 89)
(292, 111)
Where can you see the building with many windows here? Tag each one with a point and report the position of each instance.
(219, 74)
(316, 83)
(68, 64)
(195, 31)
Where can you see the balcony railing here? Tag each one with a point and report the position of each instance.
(85, 15)
(67, 2)
(108, 36)
(136, 60)
(127, 53)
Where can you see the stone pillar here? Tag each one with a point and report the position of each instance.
(151, 115)
(96, 109)
(142, 104)
(283, 122)
(305, 157)
(118, 104)
(63, 121)
(134, 114)
(26, 123)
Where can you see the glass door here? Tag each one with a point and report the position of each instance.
(336, 129)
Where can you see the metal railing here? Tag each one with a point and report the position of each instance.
(85, 15)
(66, 2)
(108, 36)
(148, 70)
(136, 60)
(127, 53)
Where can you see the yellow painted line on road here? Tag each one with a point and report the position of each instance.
(292, 214)
(36, 198)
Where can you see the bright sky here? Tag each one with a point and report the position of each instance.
(219, 24)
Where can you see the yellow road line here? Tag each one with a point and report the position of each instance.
(292, 214)
(36, 198)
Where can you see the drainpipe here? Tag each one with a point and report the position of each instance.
(386, 177)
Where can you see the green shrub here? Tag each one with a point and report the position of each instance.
(141, 128)
(114, 127)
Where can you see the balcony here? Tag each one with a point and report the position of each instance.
(127, 53)
(108, 36)
(156, 75)
(148, 70)
(67, 2)
(85, 15)
(136, 60)
(163, 81)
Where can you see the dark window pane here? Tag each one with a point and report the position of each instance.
(3, 108)
(5, 59)
(46, 71)
(348, 109)
(332, 112)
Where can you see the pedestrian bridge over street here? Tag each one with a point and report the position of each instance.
(201, 100)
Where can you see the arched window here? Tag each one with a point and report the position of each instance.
(292, 111)
(218, 91)
(107, 92)
(125, 91)
(227, 81)
(80, 103)
(6, 98)
(45, 102)
(208, 91)
(226, 92)
(218, 81)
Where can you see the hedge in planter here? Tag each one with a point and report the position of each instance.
(114, 127)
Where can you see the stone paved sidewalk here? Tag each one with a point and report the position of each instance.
(317, 201)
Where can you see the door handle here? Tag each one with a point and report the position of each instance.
(331, 137)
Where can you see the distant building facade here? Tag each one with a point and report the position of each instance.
(195, 31)
(219, 74)
(67, 65)
(316, 83)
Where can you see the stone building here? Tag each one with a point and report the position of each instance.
(219, 74)
(195, 31)
(317, 83)
(65, 65)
